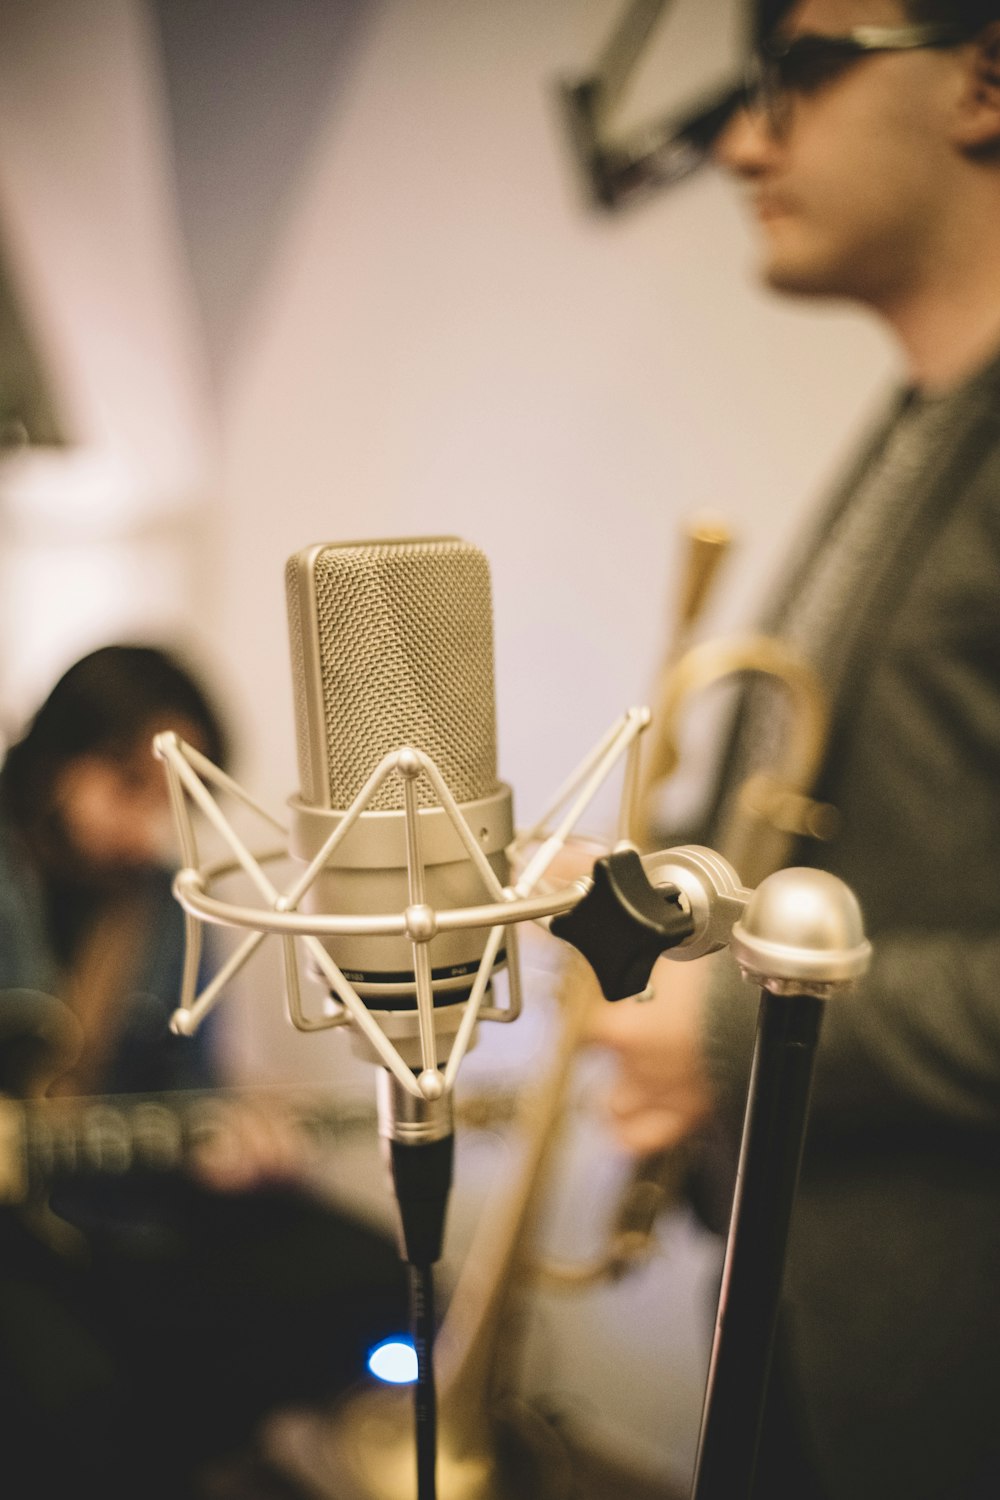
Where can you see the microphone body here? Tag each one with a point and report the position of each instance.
(392, 647)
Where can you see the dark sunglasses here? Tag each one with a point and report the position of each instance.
(802, 64)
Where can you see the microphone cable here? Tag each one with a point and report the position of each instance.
(424, 1391)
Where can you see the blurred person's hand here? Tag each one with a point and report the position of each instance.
(661, 1094)
(252, 1144)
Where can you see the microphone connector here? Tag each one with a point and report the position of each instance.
(418, 1136)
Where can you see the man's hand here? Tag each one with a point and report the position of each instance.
(661, 1094)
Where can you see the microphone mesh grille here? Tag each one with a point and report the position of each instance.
(404, 649)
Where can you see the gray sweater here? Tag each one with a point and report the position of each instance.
(893, 1278)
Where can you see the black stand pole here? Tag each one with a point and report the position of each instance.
(424, 1391)
(801, 934)
(771, 1152)
(421, 1174)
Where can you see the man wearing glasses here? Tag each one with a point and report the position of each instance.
(869, 147)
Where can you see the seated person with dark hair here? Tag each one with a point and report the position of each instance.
(192, 1311)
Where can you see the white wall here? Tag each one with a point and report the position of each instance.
(97, 539)
(450, 340)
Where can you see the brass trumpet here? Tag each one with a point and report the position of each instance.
(491, 1446)
(771, 808)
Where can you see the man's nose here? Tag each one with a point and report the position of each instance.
(747, 145)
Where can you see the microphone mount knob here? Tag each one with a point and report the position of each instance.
(623, 924)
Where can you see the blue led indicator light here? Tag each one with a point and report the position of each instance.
(394, 1361)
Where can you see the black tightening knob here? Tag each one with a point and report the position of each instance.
(623, 924)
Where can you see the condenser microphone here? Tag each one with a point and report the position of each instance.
(392, 653)
(392, 648)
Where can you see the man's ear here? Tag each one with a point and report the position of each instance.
(978, 124)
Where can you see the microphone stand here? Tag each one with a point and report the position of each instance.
(424, 1391)
(801, 939)
(774, 1129)
(419, 1138)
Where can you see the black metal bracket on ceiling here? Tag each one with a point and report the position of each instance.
(618, 172)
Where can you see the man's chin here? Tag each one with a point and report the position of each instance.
(797, 278)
